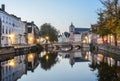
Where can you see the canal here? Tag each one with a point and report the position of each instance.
(81, 65)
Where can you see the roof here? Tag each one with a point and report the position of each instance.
(81, 29)
(12, 15)
(31, 23)
(76, 32)
(66, 34)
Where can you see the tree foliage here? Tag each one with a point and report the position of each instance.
(109, 19)
(47, 64)
(103, 30)
(50, 31)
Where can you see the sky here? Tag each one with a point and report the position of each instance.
(59, 13)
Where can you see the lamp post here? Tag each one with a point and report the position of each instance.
(46, 46)
(47, 38)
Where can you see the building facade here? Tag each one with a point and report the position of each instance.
(32, 32)
(12, 29)
(78, 34)
(75, 35)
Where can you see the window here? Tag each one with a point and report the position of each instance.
(3, 19)
(13, 25)
(3, 29)
(30, 30)
(6, 31)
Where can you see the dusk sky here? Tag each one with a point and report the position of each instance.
(60, 13)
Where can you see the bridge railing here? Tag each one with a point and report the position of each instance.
(109, 48)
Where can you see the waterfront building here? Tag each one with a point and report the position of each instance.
(64, 37)
(77, 34)
(77, 30)
(12, 29)
(96, 38)
(32, 32)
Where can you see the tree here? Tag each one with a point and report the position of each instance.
(48, 61)
(48, 30)
(111, 15)
(102, 29)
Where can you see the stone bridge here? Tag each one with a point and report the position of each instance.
(66, 46)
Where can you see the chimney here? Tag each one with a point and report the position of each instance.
(32, 22)
(3, 7)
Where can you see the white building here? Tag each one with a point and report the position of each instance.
(64, 37)
(12, 29)
(77, 34)
(77, 37)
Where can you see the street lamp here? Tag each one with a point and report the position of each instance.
(47, 38)
(11, 36)
(38, 40)
(47, 57)
(30, 40)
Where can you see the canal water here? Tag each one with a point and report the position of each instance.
(81, 65)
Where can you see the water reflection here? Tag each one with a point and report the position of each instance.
(74, 56)
(79, 65)
(13, 69)
(108, 68)
(48, 60)
(32, 61)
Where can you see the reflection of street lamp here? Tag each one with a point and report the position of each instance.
(30, 56)
(86, 57)
(47, 57)
(11, 62)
